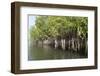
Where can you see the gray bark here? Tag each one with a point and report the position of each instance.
(56, 43)
(63, 44)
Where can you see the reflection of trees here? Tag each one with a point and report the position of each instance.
(61, 32)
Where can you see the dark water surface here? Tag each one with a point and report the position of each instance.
(48, 53)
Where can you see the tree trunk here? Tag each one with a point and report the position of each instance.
(73, 43)
(69, 43)
(55, 43)
(78, 44)
(63, 44)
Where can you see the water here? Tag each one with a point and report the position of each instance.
(49, 53)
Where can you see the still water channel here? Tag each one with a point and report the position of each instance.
(49, 53)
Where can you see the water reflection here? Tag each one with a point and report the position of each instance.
(46, 52)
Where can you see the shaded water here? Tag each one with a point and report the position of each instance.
(49, 53)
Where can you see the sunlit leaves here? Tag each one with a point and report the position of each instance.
(58, 26)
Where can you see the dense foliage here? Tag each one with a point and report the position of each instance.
(59, 27)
